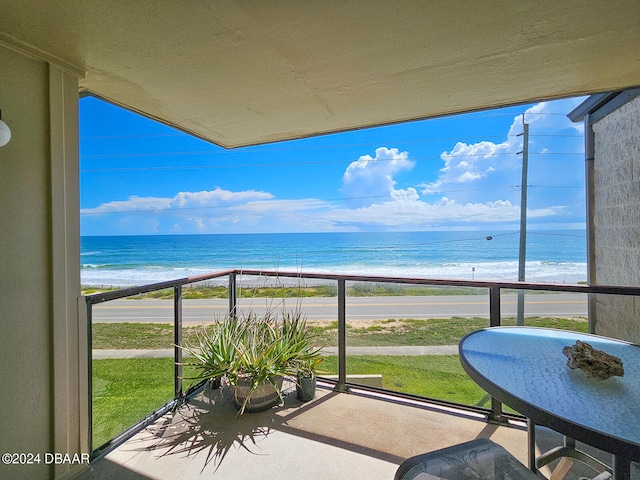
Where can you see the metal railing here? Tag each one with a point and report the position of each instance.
(494, 413)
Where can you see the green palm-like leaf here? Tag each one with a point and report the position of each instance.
(254, 348)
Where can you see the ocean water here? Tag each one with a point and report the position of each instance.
(553, 256)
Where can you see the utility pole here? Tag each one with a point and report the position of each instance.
(522, 256)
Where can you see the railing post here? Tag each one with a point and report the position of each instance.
(342, 338)
(233, 295)
(494, 306)
(520, 310)
(177, 338)
(495, 415)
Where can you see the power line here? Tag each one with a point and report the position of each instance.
(201, 152)
(315, 147)
(309, 202)
(205, 152)
(504, 187)
(283, 164)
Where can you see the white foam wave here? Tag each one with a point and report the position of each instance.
(536, 271)
(490, 271)
(131, 277)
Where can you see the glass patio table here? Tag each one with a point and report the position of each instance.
(525, 369)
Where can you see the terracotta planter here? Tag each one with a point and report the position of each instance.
(306, 388)
(263, 397)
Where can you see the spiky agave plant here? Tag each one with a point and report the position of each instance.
(214, 352)
(254, 350)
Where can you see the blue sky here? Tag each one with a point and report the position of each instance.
(139, 177)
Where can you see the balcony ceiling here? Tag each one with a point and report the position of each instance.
(247, 71)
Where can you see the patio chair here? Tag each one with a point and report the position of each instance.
(478, 459)
(567, 454)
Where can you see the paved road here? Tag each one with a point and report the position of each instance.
(329, 351)
(358, 308)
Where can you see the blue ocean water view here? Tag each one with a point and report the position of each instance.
(552, 256)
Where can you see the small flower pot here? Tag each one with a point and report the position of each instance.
(306, 388)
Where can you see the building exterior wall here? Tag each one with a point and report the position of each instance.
(39, 284)
(616, 219)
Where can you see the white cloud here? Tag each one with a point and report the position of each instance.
(469, 177)
(410, 194)
(182, 200)
(370, 177)
(217, 196)
(414, 213)
(488, 161)
(216, 210)
(281, 206)
(132, 204)
(380, 204)
(470, 162)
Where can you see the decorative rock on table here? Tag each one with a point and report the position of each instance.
(595, 363)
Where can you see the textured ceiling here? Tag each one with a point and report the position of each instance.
(246, 72)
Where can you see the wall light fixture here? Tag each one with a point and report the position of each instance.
(5, 132)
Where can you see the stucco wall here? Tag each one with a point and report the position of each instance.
(38, 289)
(24, 263)
(617, 219)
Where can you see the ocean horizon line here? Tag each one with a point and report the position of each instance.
(487, 231)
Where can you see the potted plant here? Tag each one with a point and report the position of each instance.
(254, 353)
(306, 379)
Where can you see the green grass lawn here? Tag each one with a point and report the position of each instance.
(407, 331)
(127, 390)
(434, 376)
(358, 289)
(436, 331)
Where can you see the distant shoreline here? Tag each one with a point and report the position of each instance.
(255, 281)
(293, 289)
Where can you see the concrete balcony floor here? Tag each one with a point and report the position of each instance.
(336, 436)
